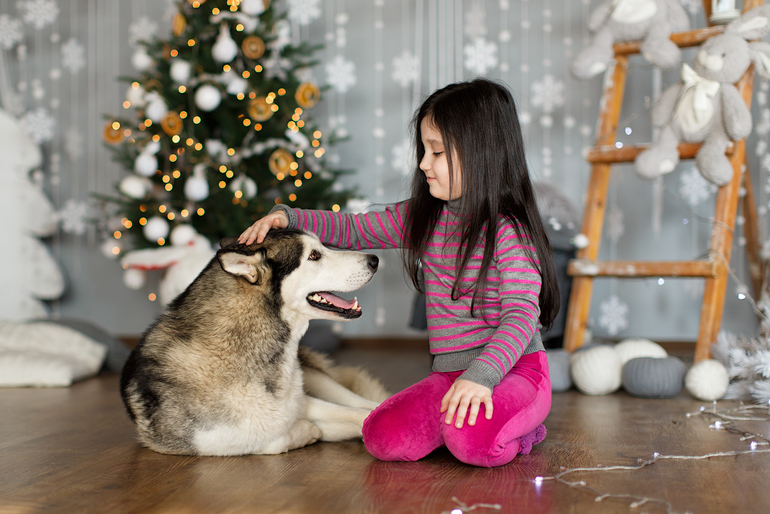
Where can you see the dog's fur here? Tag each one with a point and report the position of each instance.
(221, 371)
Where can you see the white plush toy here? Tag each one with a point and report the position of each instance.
(705, 106)
(183, 261)
(29, 272)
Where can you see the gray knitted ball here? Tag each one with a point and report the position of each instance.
(558, 365)
(650, 377)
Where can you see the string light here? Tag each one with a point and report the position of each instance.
(462, 507)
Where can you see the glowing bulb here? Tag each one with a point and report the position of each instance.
(538, 480)
(753, 445)
(661, 281)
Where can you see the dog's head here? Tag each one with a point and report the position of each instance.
(294, 266)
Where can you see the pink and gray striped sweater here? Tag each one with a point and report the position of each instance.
(486, 349)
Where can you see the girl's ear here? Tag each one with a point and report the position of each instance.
(751, 25)
(760, 56)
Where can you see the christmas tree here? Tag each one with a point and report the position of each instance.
(221, 131)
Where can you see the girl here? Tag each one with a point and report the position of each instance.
(473, 228)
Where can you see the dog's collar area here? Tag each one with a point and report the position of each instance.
(326, 301)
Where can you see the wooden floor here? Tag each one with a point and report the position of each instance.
(72, 451)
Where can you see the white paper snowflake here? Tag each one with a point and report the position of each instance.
(276, 66)
(480, 56)
(73, 143)
(39, 124)
(143, 29)
(402, 157)
(74, 217)
(613, 315)
(548, 93)
(73, 56)
(341, 74)
(406, 68)
(40, 13)
(304, 11)
(615, 226)
(692, 6)
(11, 31)
(475, 25)
(693, 188)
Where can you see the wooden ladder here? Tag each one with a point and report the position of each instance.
(713, 269)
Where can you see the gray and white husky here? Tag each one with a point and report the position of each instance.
(221, 371)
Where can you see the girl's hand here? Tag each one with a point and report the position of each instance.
(260, 228)
(462, 394)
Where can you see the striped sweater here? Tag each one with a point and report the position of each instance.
(485, 349)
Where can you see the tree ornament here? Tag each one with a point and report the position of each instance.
(156, 228)
(178, 24)
(260, 110)
(112, 133)
(156, 108)
(307, 95)
(280, 161)
(146, 164)
(141, 60)
(254, 7)
(236, 85)
(135, 187)
(253, 47)
(136, 96)
(196, 188)
(134, 278)
(207, 97)
(245, 185)
(224, 49)
(182, 235)
(172, 123)
(180, 71)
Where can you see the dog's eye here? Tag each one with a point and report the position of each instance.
(314, 255)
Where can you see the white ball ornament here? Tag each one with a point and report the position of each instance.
(156, 228)
(182, 235)
(252, 7)
(146, 164)
(156, 109)
(634, 348)
(237, 85)
(180, 71)
(245, 185)
(224, 48)
(707, 380)
(207, 97)
(580, 241)
(135, 187)
(597, 371)
(141, 60)
(136, 96)
(134, 278)
(196, 188)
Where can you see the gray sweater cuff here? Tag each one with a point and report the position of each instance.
(290, 213)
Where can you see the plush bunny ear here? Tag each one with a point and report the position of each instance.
(760, 56)
(751, 25)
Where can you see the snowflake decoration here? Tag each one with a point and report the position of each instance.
(341, 74)
(615, 225)
(480, 56)
(614, 315)
(73, 143)
(475, 25)
(39, 124)
(304, 11)
(74, 217)
(276, 66)
(73, 56)
(692, 6)
(40, 13)
(548, 93)
(693, 188)
(11, 32)
(143, 29)
(402, 157)
(406, 68)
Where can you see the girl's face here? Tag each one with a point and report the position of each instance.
(436, 166)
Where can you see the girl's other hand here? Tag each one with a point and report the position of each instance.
(460, 396)
(260, 228)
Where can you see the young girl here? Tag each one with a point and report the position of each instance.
(473, 227)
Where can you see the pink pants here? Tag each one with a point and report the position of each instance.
(409, 425)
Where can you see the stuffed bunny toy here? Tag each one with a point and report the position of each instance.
(652, 21)
(705, 106)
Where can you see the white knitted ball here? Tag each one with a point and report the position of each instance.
(633, 348)
(707, 380)
(156, 228)
(597, 371)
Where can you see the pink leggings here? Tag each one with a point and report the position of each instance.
(409, 425)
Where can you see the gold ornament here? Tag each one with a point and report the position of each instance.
(193, 2)
(253, 47)
(178, 24)
(112, 133)
(172, 123)
(280, 162)
(307, 95)
(260, 110)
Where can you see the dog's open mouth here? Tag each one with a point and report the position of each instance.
(330, 302)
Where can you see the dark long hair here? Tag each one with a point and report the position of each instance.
(479, 124)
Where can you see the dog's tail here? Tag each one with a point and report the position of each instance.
(354, 378)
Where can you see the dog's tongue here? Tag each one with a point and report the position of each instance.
(337, 301)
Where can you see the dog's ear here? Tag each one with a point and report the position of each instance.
(227, 241)
(250, 267)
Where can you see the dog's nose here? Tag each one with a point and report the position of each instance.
(373, 261)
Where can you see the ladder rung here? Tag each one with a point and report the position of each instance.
(681, 39)
(587, 268)
(627, 153)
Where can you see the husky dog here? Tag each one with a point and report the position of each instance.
(221, 372)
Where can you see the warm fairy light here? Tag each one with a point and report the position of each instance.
(198, 146)
(222, 184)
(126, 104)
(274, 108)
(161, 241)
(280, 176)
(115, 125)
(222, 169)
(292, 197)
(294, 165)
(127, 132)
(278, 200)
(226, 68)
(135, 85)
(127, 223)
(258, 68)
(183, 114)
(143, 221)
(156, 138)
(166, 179)
(246, 74)
(115, 250)
(215, 11)
(185, 213)
(172, 158)
(148, 122)
(175, 139)
(240, 96)
(246, 122)
(162, 209)
(229, 174)
(308, 175)
(168, 187)
(176, 173)
(298, 183)
(317, 134)
(291, 125)
(231, 151)
(201, 211)
(316, 143)
(293, 173)
(258, 126)
(190, 42)
(197, 119)
(171, 215)
(189, 141)
(117, 234)
(281, 91)
(336, 208)
(301, 123)
(174, 52)
(143, 208)
(253, 95)
(318, 153)
(295, 117)
(298, 111)
(151, 297)
(182, 89)
(239, 27)
(300, 154)
(238, 194)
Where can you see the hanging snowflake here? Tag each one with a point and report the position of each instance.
(402, 157)
(341, 74)
(276, 66)
(692, 6)
(39, 124)
(480, 56)
(304, 11)
(73, 143)
(693, 188)
(73, 56)
(548, 93)
(143, 29)
(613, 315)
(615, 225)
(40, 13)
(406, 68)
(11, 32)
(475, 22)
(74, 217)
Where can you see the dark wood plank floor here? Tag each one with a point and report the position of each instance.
(72, 450)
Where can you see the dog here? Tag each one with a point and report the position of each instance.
(221, 372)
